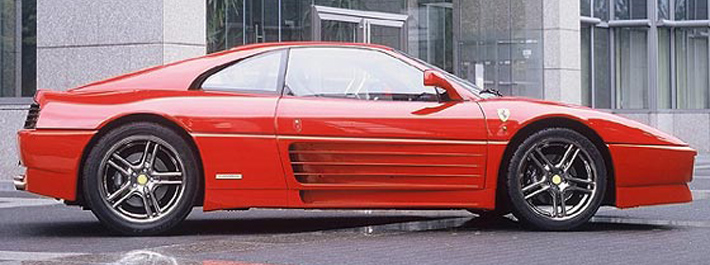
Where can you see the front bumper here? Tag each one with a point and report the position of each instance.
(20, 182)
(652, 174)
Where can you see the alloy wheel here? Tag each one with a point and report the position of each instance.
(557, 179)
(142, 178)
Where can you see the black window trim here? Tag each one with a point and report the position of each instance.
(198, 82)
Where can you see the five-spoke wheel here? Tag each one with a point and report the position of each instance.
(141, 179)
(556, 180)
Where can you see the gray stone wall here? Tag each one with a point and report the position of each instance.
(11, 119)
(562, 53)
(693, 128)
(82, 41)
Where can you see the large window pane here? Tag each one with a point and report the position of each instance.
(296, 24)
(7, 49)
(435, 23)
(601, 9)
(340, 31)
(262, 21)
(681, 9)
(225, 25)
(691, 9)
(232, 23)
(500, 45)
(631, 68)
(586, 40)
(596, 69)
(630, 9)
(526, 48)
(585, 8)
(602, 69)
(692, 68)
(484, 26)
(29, 48)
(664, 9)
(18, 70)
(664, 69)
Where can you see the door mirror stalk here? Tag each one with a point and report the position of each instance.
(436, 79)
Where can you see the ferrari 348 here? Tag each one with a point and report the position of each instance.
(334, 126)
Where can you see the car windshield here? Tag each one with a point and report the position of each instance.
(460, 81)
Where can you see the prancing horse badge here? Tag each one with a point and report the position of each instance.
(503, 114)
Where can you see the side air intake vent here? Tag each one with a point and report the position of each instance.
(32, 116)
(358, 163)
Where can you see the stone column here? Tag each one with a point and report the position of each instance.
(562, 51)
(81, 41)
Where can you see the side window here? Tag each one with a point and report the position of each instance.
(356, 74)
(255, 74)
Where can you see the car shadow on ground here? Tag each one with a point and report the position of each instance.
(235, 226)
(508, 224)
(206, 225)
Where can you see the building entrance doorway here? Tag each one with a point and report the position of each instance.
(347, 25)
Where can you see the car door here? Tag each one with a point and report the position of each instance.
(356, 127)
(233, 125)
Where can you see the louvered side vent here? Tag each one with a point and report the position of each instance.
(32, 116)
(343, 163)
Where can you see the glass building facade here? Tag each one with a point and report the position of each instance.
(496, 44)
(635, 54)
(645, 54)
(17, 48)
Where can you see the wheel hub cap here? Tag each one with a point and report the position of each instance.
(556, 179)
(142, 179)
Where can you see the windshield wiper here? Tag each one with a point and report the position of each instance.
(491, 91)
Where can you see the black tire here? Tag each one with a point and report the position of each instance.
(96, 184)
(526, 177)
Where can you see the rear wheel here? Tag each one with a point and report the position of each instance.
(556, 180)
(141, 179)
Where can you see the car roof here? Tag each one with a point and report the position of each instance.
(180, 75)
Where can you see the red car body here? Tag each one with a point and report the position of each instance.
(311, 152)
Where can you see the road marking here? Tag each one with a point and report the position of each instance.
(700, 194)
(6, 203)
(34, 256)
(639, 221)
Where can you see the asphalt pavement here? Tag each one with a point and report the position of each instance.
(35, 230)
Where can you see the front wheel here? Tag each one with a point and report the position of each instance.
(556, 180)
(141, 179)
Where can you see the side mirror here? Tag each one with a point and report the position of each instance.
(437, 79)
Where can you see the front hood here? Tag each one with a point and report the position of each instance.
(610, 127)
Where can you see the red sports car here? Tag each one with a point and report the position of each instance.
(333, 125)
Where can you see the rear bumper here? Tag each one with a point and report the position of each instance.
(652, 174)
(52, 158)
